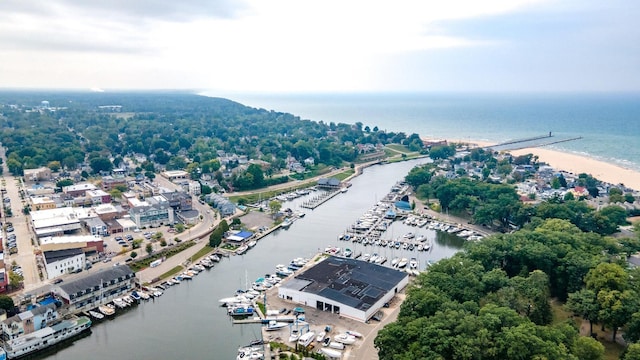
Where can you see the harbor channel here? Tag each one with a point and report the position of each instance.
(187, 321)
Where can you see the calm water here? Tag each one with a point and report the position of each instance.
(186, 322)
(608, 123)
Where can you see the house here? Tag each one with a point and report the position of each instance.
(221, 203)
(101, 287)
(29, 321)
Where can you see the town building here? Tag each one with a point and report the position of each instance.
(78, 189)
(96, 289)
(109, 182)
(62, 262)
(154, 212)
(86, 243)
(98, 197)
(29, 321)
(58, 221)
(175, 174)
(39, 174)
(352, 288)
(43, 203)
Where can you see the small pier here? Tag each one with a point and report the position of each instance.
(531, 142)
(319, 200)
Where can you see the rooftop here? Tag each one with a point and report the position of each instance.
(354, 283)
(95, 279)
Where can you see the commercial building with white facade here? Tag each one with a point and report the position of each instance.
(352, 288)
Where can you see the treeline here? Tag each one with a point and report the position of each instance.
(493, 300)
(491, 204)
(173, 130)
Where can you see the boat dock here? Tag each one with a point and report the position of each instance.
(319, 200)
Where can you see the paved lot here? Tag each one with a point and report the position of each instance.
(363, 349)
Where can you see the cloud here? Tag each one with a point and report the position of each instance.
(166, 10)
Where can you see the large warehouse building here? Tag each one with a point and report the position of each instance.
(352, 288)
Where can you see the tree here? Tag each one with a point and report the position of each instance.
(616, 308)
(275, 206)
(606, 276)
(133, 254)
(99, 164)
(587, 348)
(54, 165)
(149, 248)
(632, 352)
(14, 279)
(64, 182)
(136, 243)
(584, 304)
(6, 303)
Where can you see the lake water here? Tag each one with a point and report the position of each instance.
(186, 322)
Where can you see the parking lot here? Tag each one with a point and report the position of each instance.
(123, 242)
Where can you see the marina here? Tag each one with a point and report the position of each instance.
(205, 327)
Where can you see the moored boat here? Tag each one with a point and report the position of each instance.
(45, 337)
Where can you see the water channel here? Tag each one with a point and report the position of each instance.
(186, 322)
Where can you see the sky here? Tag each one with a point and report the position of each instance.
(283, 46)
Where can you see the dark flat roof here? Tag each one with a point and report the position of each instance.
(97, 278)
(57, 255)
(355, 283)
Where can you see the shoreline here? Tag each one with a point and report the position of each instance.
(569, 162)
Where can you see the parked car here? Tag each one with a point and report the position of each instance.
(57, 281)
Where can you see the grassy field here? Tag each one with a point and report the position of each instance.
(345, 174)
(399, 148)
(170, 273)
(204, 251)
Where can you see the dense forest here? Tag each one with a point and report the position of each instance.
(174, 130)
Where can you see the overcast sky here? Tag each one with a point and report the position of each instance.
(321, 45)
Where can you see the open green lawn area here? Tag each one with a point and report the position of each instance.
(398, 148)
(202, 252)
(345, 174)
(172, 272)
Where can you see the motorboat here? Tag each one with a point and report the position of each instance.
(354, 333)
(321, 336)
(294, 336)
(402, 263)
(413, 263)
(345, 339)
(275, 325)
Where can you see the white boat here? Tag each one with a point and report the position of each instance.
(331, 353)
(347, 252)
(96, 315)
(45, 337)
(234, 300)
(321, 336)
(395, 261)
(251, 243)
(409, 235)
(366, 257)
(402, 263)
(354, 333)
(294, 336)
(106, 310)
(249, 352)
(275, 325)
(242, 249)
(345, 339)
(413, 263)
